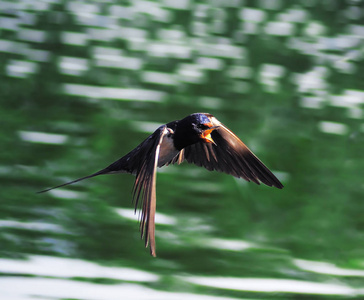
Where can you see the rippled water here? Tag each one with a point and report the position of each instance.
(84, 83)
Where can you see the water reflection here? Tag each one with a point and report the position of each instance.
(285, 76)
(112, 93)
(48, 266)
(326, 268)
(56, 278)
(42, 137)
(67, 289)
(277, 285)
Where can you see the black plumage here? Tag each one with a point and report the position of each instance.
(199, 139)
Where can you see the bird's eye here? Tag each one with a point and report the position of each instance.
(202, 126)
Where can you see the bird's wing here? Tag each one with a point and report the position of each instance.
(145, 187)
(142, 162)
(229, 155)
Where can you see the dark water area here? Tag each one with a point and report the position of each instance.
(83, 83)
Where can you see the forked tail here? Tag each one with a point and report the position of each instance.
(101, 172)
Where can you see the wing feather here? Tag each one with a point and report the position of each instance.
(145, 188)
(142, 162)
(229, 155)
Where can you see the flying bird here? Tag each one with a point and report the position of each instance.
(199, 139)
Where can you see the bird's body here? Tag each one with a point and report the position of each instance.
(168, 150)
(198, 138)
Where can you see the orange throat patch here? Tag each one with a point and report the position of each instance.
(206, 136)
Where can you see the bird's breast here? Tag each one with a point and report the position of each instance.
(167, 149)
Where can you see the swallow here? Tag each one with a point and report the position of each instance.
(199, 139)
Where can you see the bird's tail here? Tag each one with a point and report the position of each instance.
(101, 172)
(122, 165)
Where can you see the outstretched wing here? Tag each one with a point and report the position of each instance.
(145, 187)
(142, 162)
(229, 155)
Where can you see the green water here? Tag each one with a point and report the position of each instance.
(83, 83)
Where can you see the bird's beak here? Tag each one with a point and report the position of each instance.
(206, 135)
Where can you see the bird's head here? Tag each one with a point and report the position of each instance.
(192, 129)
(204, 131)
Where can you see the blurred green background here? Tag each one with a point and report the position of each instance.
(84, 82)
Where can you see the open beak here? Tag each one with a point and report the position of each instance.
(206, 135)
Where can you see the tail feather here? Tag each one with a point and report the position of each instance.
(122, 165)
(101, 172)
